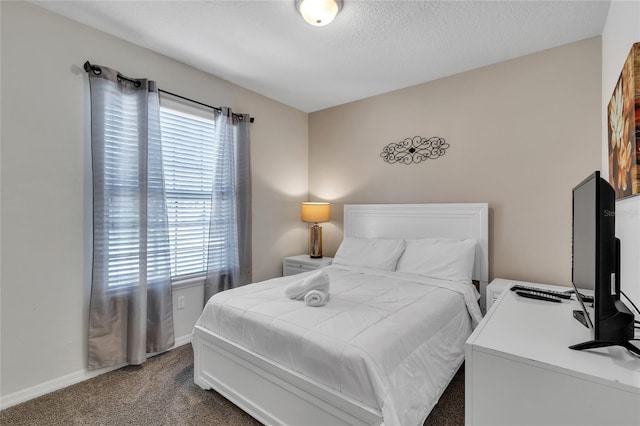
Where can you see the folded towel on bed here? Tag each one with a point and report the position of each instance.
(316, 298)
(317, 281)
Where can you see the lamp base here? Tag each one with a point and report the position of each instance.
(315, 241)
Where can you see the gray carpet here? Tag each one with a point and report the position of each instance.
(162, 392)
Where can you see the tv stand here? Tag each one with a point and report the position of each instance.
(593, 344)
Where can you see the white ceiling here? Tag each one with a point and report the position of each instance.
(371, 47)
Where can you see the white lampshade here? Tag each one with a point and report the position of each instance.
(319, 12)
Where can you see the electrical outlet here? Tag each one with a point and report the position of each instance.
(181, 302)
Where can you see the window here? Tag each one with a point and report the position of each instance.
(189, 167)
(189, 157)
(119, 237)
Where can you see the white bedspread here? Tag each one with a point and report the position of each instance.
(389, 340)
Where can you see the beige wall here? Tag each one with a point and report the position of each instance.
(522, 134)
(46, 196)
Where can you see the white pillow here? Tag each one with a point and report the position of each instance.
(442, 258)
(377, 253)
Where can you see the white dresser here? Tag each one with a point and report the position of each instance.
(520, 371)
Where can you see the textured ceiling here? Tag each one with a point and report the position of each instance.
(371, 47)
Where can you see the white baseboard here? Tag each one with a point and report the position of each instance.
(65, 381)
(182, 340)
(52, 385)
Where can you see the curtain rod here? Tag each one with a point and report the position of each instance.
(251, 119)
(96, 69)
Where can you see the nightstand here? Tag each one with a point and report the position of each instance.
(495, 289)
(303, 263)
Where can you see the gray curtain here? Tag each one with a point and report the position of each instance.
(229, 259)
(131, 311)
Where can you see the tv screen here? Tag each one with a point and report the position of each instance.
(585, 253)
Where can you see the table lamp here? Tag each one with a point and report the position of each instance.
(314, 213)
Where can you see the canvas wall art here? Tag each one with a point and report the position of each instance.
(624, 128)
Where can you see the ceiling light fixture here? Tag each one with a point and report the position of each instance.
(318, 12)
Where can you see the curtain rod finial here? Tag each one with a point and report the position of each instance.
(88, 67)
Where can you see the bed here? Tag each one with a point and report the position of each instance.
(381, 352)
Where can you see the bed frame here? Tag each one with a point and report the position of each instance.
(275, 395)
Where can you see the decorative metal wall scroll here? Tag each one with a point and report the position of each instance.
(414, 150)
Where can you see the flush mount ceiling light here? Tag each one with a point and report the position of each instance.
(318, 12)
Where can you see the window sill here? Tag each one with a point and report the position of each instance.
(188, 282)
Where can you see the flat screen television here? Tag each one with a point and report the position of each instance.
(596, 266)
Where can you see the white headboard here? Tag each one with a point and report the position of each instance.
(412, 221)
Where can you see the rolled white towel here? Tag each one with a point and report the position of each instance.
(316, 298)
(317, 281)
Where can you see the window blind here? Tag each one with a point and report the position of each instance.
(188, 162)
(122, 187)
(129, 232)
